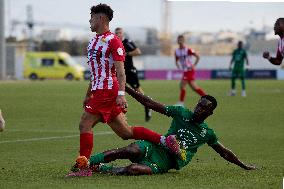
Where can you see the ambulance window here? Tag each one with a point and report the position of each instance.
(62, 63)
(47, 62)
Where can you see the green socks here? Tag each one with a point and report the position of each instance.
(97, 158)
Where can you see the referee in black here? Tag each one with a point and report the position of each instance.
(130, 70)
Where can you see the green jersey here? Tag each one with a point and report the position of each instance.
(191, 135)
(239, 56)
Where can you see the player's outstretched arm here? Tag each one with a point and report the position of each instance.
(276, 61)
(230, 156)
(197, 58)
(146, 101)
(247, 60)
(231, 63)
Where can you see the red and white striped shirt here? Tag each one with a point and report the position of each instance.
(280, 49)
(184, 57)
(103, 51)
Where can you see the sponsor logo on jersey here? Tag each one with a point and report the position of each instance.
(203, 132)
(120, 51)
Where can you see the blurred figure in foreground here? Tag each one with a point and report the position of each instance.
(278, 30)
(2, 122)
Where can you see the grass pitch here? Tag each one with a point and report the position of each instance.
(41, 139)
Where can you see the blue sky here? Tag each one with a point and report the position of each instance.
(185, 16)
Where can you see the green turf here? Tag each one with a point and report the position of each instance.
(252, 127)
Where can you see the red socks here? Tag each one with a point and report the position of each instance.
(142, 133)
(139, 133)
(86, 144)
(182, 95)
(200, 92)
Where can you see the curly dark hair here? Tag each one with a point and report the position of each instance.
(280, 20)
(211, 99)
(180, 36)
(104, 9)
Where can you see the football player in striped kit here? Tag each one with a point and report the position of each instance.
(278, 30)
(183, 57)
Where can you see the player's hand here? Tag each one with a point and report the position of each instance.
(250, 167)
(266, 54)
(86, 101)
(247, 67)
(121, 101)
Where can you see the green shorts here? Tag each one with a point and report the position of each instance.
(238, 73)
(156, 157)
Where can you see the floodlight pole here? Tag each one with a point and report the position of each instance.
(2, 41)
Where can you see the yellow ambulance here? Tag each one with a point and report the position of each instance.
(52, 65)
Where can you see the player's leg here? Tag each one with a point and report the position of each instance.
(2, 122)
(120, 126)
(131, 151)
(196, 88)
(132, 169)
(148, 158)
(243, 86)
(233, 84)
(135, 152)
(95, 161)
(87, 122)
(182, 92)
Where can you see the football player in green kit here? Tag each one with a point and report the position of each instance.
(239, 57)
(148, 158)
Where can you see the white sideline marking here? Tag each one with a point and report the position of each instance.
(51, 138)
(41, 131)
